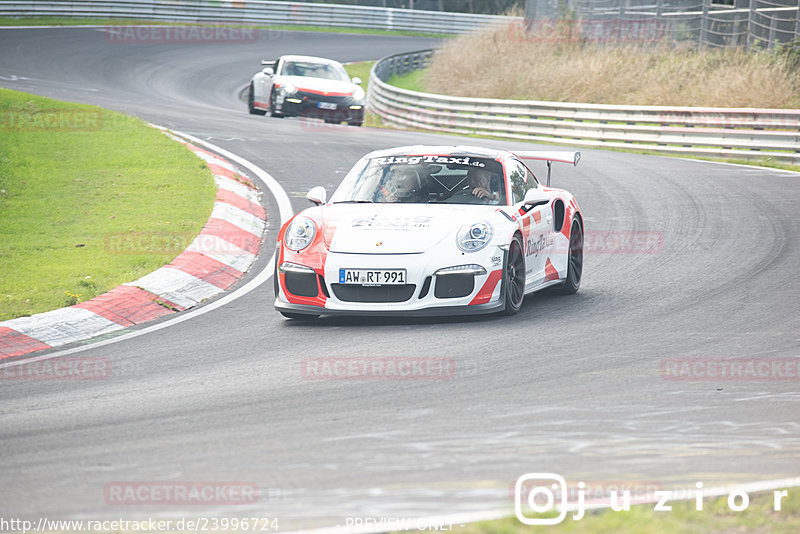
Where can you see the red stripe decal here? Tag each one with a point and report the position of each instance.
(485, 294)
(537, 216)
(13, 343)
(324, 93)
(550, 272)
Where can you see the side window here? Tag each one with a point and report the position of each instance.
(518, 174)
(533, 183)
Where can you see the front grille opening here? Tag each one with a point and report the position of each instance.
(426, 286)
(323, 286)
(301, 284)
(451, 286)
(356, 293)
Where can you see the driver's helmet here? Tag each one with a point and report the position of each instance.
(404, 184)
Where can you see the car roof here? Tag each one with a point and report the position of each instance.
(311, 59)
(440, 150)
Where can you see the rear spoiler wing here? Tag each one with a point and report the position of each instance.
(550, 157)
(269, 63)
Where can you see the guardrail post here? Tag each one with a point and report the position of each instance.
(773, 22)
(797, 24)
(751, 18)
(704, 24)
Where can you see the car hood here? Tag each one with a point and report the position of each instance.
(394, 228)
(320, 85)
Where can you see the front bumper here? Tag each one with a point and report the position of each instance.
(439, 311)
(425, 293)
(346, 109)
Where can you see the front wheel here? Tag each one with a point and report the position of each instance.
(354, 123)
(272, 111)
(514, 277)
(251, 102)
(575, 261)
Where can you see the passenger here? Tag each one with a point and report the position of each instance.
(402, 184)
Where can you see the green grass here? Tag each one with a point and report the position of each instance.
(360, 70)
(72, 189)
(683, 519)
(69, 21)
(413, 81)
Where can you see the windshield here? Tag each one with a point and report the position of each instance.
(327, 71)
(428, 179)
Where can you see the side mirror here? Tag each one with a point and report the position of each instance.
(317, 195)
(535, 197)
(268, 71)
(357, 80)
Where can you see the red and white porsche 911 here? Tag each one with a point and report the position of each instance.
(431, 230)
(292, 86)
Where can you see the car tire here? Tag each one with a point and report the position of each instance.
(251, 98)
(272, 112)
(354, 123)
(514, 277)
(574, 261)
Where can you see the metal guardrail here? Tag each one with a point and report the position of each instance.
(256, 12)
(713, 132)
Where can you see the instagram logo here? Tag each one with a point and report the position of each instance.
(540, 497)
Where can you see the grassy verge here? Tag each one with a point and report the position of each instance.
(360, 70)
(67, 21)
(413, 81)
(683, 519)
(505, 62)
(89, 199)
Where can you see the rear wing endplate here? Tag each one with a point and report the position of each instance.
(550, 157)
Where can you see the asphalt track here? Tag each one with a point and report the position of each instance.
(570, 385)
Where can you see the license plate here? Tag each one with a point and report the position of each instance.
(326, 105)
(372, 277)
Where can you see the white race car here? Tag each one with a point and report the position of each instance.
(431, 230)
(308, 86)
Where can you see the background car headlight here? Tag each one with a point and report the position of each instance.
(359, 94)
(300, 233)
(474, 237)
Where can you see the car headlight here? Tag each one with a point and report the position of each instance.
(289, 88)
(474, 237)
(359, 94)
(300, 233)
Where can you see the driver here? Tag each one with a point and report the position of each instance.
(402, 184)
(479, 183)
